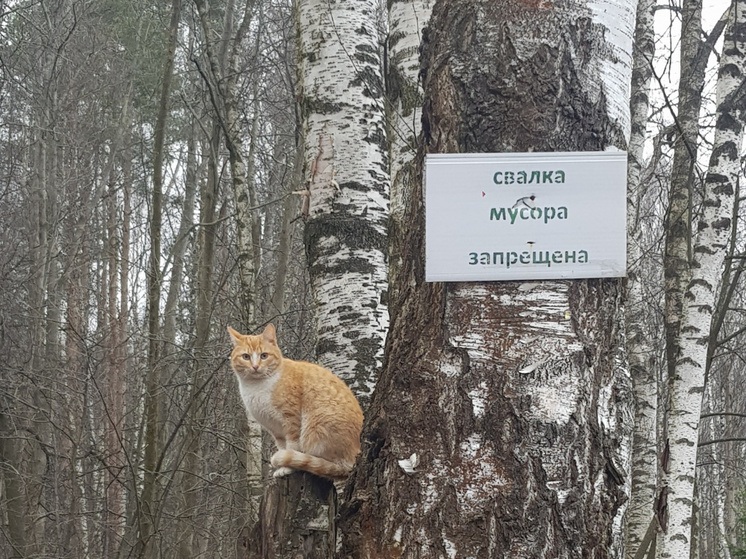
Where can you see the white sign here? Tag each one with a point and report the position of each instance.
(521, 216)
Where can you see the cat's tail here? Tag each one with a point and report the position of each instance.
(318, 466)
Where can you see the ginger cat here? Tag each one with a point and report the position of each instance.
(312, 414)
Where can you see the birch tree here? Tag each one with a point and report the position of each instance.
(639, 349)
(476, 457)
(708, 251)
(678, 222)
(223, 75)
(341, 92)
(407, 21)
(722, 433)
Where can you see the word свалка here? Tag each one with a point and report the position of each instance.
(521, 177)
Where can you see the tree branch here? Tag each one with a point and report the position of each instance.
(727, 440)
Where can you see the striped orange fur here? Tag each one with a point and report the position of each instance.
(311, 413)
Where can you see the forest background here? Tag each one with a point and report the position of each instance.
(169, 169)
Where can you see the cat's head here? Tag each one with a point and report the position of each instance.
(255, 357)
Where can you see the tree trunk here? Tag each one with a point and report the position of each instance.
(115, 373)
(178, 253)
(712, 466)
(192, 465)
(296, 518)
(733, 454)
(289, 212)
(76, 325)
(189, 472)
(129, 475)
(346, 207)
(639, 349)
(711, 242)
(47, 414)
(11, 444)
(341, 91)
(224, 102)
(224, 71)
(407, 21)
(678, 217)
(147, 513)
(38, 414)
(500, 425)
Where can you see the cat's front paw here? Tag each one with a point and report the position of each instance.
(282, 472)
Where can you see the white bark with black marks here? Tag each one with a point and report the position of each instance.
(501, 424)
(407, 21)
(708, 253)
(640, 352)
(341, 93)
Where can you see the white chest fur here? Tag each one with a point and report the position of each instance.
(257, 398)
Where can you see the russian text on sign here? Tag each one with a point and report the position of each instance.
(525, 216)
(511, 258)
(548, 213)
(522, 177)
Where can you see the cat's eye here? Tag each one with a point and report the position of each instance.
(246, 356)
(264, 355)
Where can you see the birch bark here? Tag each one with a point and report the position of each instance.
(711, 242)
(712, 465)
(407, 20)
(477, 458)
(639, 351)
(678, 217)
(341, 91)
(733, 454)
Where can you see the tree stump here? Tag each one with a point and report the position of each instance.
(296, 519)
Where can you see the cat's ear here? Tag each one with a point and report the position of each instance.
(269, 334)
(235, 336)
